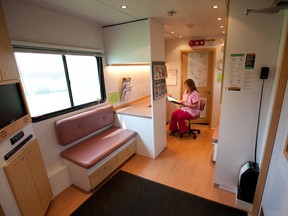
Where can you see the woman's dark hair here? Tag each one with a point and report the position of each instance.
(191, 85)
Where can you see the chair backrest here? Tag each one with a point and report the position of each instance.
(202, 104)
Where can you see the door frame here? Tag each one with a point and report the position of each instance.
(183, 65)
(272, 131)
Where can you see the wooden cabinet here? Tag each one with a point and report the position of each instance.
(28, 180)
(8, 66)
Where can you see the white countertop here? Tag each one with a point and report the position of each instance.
(140, 108)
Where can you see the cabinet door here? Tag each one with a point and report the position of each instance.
(22, 185)
(8, 66)
(131, 45)
(39, 173)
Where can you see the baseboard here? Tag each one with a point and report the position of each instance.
(233, 190)
(244, 205)
(59, 179)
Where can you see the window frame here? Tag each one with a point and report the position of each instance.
(61, 50)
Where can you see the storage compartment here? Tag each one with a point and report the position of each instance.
(126, 153)
(103, 172)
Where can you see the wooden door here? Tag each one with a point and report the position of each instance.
(39, 174)
(22, 185)
(198, 65)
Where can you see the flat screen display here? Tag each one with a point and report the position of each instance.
(12, 106)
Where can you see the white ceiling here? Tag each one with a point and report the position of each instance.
(193, 19)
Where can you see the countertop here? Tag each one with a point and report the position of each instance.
(140, 108)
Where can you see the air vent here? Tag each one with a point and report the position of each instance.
(26, 120)
(3, 134)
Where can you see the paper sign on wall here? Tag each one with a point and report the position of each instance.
(236, 70)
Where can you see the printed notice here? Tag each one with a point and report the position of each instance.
(249, 66)
(219, 78)
(114, 97)
(247, 84)
(250, 61)
(236, 70)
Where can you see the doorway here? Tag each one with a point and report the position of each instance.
(199, 66)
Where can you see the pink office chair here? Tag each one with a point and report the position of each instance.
(191, 130)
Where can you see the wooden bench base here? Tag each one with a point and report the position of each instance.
(88, 179)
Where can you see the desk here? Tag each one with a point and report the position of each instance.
(137, 116)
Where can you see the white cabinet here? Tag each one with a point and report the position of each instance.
(144, 128)
(127, 43)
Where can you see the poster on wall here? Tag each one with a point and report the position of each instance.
(249, 68)
(250, 60)
(198, 68)
(171, 79)
(236, 70)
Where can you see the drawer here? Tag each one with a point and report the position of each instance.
(102, 172)
(126, 153)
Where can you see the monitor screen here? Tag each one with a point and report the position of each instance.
(12, 106)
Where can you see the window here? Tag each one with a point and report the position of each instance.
(57, 82)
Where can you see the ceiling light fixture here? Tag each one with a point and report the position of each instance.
(171, 13)
(172, 32)
(190, 25)
(219, 18)
(215, 6)
(123, 6)
(180, 36)
(221, 26)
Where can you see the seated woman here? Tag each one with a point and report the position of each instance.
(190, 107)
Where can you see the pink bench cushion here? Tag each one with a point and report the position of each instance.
(75, 127)
(91, 151)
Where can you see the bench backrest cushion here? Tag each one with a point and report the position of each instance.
(78, 126)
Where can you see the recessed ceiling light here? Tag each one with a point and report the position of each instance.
(123, 6)
(221, 26)
(172, 32)
(180, 36)
(219, 18)
(215, 6)
(223, 32)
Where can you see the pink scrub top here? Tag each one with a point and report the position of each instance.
(189, 99)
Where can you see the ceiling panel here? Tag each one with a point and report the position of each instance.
(192, 18)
